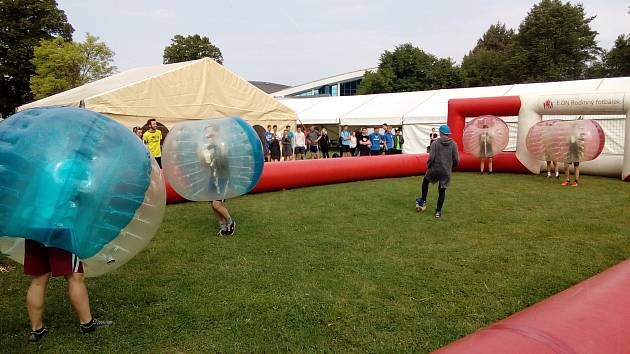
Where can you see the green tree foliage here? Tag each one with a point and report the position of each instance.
(185, 48)
(617, 61)
(487, 63)
(61, 65)
(408, 68)
(554, 42)
(23, 23)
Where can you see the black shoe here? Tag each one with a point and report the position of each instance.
(94, 325)
(35, 336)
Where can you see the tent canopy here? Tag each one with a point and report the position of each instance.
(174, 93)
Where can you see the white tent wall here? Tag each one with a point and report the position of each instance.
(176, 93)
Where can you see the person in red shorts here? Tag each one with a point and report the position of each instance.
(41, 262)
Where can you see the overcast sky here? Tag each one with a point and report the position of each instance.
(293, 42)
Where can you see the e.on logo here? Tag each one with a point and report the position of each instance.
(547, 105)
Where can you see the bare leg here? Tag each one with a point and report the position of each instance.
(78, 295)
(220, 211)
(490, 164)
(481, 165)
(577, 172)
(35, 298)
(567, 173)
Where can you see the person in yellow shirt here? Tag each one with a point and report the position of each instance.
(153, 139)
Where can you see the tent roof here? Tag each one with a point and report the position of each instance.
(386, 108)
(331, 109)
(174, 93)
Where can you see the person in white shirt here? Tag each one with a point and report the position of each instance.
(299, 141)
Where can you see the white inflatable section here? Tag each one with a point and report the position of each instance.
(533, 107)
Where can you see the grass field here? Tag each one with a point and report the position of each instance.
(342, 268)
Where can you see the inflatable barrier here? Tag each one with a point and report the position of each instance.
(590, 317)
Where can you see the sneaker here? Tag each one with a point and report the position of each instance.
(574, 184)
(421, 204)
(438, 214)
(565, 183)
(231, 229)
(548, 175)
(94, 325)
(220, 232)
(35, 336)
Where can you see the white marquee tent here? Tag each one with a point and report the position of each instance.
(174, 93)
(418, 112)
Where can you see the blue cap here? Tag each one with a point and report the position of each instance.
(444, 129)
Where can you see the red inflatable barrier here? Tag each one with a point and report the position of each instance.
(303, 173)
(591, 317)
(171, 196)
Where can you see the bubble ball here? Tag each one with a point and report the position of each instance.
(77, 180)
(539, 140)
(568, 141)
(485, 136)
(212, 159)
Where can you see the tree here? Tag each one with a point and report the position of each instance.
(487, 63)
(191, 48)
(61, 65)
(23, 23)
(554, 42)
(408, 68)
(617, 61)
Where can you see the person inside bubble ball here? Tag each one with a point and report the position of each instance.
(215, 156)
(41, 262)
(485, 144)
(574, 155)
(443, 156)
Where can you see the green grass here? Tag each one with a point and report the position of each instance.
(342, 268)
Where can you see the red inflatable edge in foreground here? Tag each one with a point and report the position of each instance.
(590, 317)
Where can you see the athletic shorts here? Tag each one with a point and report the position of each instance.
(39, 260)
(314, 148)
(300, 150)
(344, 148)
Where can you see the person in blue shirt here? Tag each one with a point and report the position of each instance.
(345, 142)
(389, 141)
(376, 140)
(268, 135)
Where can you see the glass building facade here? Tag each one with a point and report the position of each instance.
(348, 88)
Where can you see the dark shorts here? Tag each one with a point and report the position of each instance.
(375, 152)
(344, 148)
(39, 260)
(300, 150)
(313, 148)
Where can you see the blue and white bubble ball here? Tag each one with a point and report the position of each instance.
(212, 159)
(77, 180)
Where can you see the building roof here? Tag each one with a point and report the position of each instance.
(354, 75)
(269, 87)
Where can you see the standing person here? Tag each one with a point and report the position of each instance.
(485, 144)
(398, 142)
(291, 139)
(388, 140)
(443, 156)
(41, 262)
(553, 164)
(287, 151)
(364, 143)
(324, 143)
(353, 143)
(268, 136)
(345, 142)
(433, 136)
(274, 147)
(227, 226)
(376, 142)
(138, 132)
(313, 138)
(300, 144)
(574, 154)
(153, 139)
